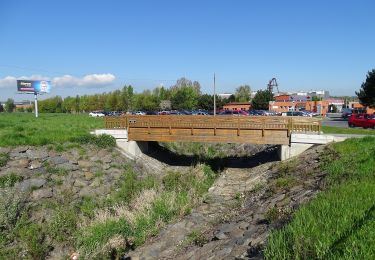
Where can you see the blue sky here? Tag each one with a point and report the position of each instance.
(97, 46)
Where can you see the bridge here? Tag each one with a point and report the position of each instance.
(293, 134)
(214, 129)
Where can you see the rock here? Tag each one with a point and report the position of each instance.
(35, 165)
(228, 227)
(85, 164)
(29, 184)
(42, 193)
(88, 176)
(107, 159)
(296, 189)
(20, 149)
(5, 149)
(95, 158)
(57, 160)
(69, 167)
(220, 236)
(106, 166)
(37, 154)
(80, 183)
(284, 202)
(95, 183)
(21, 163)
(86, 192)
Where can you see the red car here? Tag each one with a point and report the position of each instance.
(362, 120)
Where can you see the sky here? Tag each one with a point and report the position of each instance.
(94, 46)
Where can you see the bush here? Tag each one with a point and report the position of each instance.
(4, 158)
(33, 237)
(11, 205)
(63, 223)
(9, 180)
(102, 141)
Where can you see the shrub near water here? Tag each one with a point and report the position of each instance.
(339, 223)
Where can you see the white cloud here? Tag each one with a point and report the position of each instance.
(8, 82)
(90, 80)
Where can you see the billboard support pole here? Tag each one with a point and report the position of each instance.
(36, 104)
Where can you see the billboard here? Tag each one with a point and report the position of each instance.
(34, 86)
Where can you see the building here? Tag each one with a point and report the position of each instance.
(245, 106)
(320, 107)
(295, 98)
(338, 103)
(24, 104)
(359, 107)
(285, 106)
(224, 95)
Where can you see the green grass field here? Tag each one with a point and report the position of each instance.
(25, 129)
(341, 130)
(340, 222)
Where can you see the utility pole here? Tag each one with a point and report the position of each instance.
(214, 95)
(36, 103)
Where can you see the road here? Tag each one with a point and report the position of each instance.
(335, 120)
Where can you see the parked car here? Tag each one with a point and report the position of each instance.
(293, 113)
(233, 113)
(164, 112)
(151, 113)
(362, 120)
(346, 112)
(175, 112)
(200, 113)
(139, 113)
(96, 114)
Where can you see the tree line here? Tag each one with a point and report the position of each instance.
(183, 95)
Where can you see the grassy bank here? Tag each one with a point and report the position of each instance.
(342, 130)
(339, 223)
(99, 227)
(25, 129)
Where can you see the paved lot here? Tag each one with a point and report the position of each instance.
(334, 120)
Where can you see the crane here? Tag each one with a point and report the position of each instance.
(271, 84)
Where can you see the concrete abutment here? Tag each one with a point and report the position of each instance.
(298, 143)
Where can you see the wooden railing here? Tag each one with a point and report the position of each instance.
(212, 128)
(299, 124)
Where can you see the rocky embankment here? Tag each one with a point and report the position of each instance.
(250, 197)
(239, 212)
(47, 173)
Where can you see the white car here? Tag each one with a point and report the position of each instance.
(140, 113)
(96, 114)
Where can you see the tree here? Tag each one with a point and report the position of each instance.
(184, 82)
(184, 98)
(243, 93)
(316, 98)
(9, 105)
(366, 94)
(146, 101)
(206, 102)
(1, 107)
(262, 99)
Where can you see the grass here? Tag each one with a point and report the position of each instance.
(138, 209)
(342, 130)
(339, 223)
(4, 158)
(25, 129)
(9, 180)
